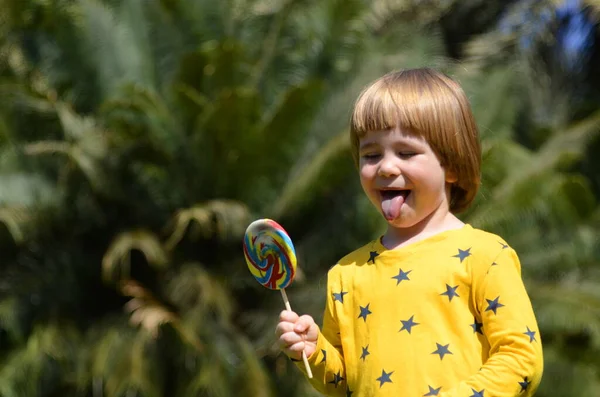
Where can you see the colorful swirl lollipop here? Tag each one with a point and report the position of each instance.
(271, 258)
(270, 254)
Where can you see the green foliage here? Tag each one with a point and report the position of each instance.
(138, 139)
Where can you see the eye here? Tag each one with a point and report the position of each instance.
(406, 154)
(370, 156)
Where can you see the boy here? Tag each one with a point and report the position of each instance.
(434, 307)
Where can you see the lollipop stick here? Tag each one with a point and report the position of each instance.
(286, 301)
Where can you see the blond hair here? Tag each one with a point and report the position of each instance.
(428, 104)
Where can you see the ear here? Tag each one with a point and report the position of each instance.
(450, 176)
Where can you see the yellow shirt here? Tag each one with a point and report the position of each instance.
(447, 316)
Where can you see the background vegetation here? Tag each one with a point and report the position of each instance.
(139, 138)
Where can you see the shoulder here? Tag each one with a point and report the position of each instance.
(488, 249)
(358, 257)
(484, 243)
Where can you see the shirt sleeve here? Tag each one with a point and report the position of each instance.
(515, 363)
(327, 362)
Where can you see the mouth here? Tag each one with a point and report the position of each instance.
(389, 194)
(392, 201)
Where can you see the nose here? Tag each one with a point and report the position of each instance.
(388, 167)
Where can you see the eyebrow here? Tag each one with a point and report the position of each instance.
(368, 145)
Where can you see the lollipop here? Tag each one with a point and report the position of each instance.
(271, 258)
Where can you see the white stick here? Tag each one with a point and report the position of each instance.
(304, 358)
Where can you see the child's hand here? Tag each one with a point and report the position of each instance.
(297, 334)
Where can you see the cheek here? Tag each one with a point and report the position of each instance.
(365, 173)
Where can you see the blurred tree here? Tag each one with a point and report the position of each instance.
(139, 138)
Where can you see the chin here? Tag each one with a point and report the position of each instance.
(403, 221)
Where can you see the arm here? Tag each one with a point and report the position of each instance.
(515, 363)
(327, 361)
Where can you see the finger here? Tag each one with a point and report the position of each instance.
(283, 327)
(289, 339)
(303, 323)
(289, 316)
(297, 347)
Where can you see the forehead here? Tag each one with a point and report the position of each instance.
(390, 136)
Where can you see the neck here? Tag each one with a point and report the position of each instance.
(438, 221)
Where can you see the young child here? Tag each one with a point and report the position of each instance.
(434, 307)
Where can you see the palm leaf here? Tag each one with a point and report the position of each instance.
(126, 361)
(197, 293)
(323, 172)
(14, 218)
(28, 369)
(222, 219)
(117, 256)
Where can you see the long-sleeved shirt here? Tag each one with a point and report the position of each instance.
(447, 316)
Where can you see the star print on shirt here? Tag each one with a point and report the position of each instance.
(531, 335)
(372, 256)
(462, 254)
(385, 378)
(494, 305)
(364, 312)
(408, 324)
(365, 352)
(477, 393)
(349, 393)
(432, 391)
(450, 292)
(324, 356)
(337, 378)
(442, 350)
(504, 245)
(477, 327)
(524, 385)
(339, 296)
(402, 276)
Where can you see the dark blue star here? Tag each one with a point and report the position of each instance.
(339, 296)
(337, 378)
(372, 256)
(462, 254)
(432, 391)
(349, 393)
(477, 393)
(442, 350)
(324, 356)
(450, 292)
(365, 352)
(402, 276)
(385, 378)
(494, 305)
(531, 335)
(504, 245)
(477, 327)
(494, 264)
(524, 385)
(364, 312)
(408, 324)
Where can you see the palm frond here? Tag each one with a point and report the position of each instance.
(126, 361)
(13, 218)
(114, 37)
(325, 166)
(197, 294)
(27, 370)
(10, 321)
(221, 219)
(116, 260)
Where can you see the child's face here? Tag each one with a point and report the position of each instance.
(403, 177)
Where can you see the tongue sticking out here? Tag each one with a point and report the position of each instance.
(391, 203)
